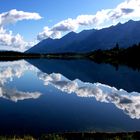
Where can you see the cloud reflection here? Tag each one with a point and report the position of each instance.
(15, 95)
(128, 102)
(9, 70)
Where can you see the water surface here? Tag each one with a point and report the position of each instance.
(44, 96)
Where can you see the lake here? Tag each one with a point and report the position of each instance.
(45, 96)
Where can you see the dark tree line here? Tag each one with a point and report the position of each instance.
(116, 56)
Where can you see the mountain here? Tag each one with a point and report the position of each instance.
(125, 35)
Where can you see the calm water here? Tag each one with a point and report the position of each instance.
(44, 96)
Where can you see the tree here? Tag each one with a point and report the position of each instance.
(116, 48)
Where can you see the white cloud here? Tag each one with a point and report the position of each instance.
(66, 25)
(7, 38)
(129, 9)
(93, 20)
(55, 31)
(48, 33)
(129, 103)
(15, 42)
(13, 16)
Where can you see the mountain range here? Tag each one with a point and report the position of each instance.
(125, 35)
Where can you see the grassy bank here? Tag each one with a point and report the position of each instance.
(79, 136)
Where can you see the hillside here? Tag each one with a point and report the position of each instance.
(125, 34)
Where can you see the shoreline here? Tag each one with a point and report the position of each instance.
(78, 136)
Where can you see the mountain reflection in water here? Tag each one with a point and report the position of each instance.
(50, 96)
(129, 102)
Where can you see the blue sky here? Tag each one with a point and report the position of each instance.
(60, 17)
(52, 12)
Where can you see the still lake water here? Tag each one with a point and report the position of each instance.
(44, 96)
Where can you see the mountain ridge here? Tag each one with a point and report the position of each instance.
(125, 35)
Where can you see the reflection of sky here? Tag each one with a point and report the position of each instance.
(9, 70)
(128, 102)
(15, 95)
